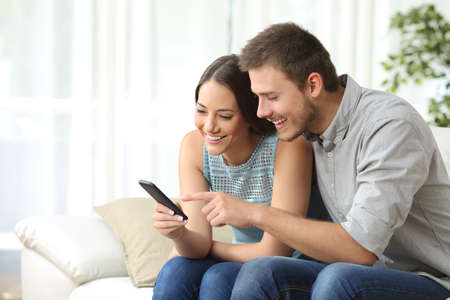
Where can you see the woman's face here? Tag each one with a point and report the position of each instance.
(219, 119)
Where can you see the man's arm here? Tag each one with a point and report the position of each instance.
(325, 241)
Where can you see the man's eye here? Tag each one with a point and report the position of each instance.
(226, 117)
(200, 111)
(272, 98)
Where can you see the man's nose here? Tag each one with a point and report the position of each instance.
(263, 109)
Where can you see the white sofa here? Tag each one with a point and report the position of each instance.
(79, 258)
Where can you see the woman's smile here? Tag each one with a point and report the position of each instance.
(214, 139)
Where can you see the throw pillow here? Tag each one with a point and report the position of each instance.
(145, 249)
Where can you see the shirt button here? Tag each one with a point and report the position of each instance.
(330, 154)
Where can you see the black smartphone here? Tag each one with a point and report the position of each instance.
(160, 197)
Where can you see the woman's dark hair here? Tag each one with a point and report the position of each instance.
(225, 70)
(294, 50)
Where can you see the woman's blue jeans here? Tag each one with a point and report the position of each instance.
(183, 278)
(289, 278)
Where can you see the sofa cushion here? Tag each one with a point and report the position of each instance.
(62, 240)
(145, 249)
(117, 288)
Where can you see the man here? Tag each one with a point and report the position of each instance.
(380, 174)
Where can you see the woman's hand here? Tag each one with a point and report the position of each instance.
(167, 223)
(223, 209)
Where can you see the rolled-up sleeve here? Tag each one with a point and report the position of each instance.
(392, 166)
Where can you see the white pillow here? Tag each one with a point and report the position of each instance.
(84, 248)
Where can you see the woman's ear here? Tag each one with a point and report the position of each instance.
(314, 84)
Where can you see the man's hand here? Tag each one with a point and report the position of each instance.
(223, 209)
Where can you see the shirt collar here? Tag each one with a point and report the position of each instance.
(336, 131)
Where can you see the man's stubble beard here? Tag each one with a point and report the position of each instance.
(303, 129)
(295, 136)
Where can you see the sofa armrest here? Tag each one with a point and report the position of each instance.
(42, 280)
(84, 248)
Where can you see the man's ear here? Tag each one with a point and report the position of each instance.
(314, 84)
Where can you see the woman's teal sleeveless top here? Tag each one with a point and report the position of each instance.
(252, 181)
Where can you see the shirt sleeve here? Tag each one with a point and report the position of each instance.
(392, 166)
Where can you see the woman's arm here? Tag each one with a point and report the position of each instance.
(291, 189)
(194, 238)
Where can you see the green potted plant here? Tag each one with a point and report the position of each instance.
(424, 53)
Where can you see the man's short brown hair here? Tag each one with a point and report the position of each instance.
(294, 50)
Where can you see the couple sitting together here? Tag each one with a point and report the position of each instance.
(276, 125)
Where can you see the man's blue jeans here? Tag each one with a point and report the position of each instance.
(290, 278)
(183, 278)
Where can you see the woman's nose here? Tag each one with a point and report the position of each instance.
(210, 124)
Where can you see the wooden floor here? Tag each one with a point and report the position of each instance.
(10, 275)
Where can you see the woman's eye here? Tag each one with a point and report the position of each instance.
(226, 117)
(200, 111)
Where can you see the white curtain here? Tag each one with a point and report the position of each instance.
(95, 95)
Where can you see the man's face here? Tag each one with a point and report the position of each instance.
(281, 102)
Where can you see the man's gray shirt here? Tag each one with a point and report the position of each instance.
(381, 176)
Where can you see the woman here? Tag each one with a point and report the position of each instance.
(239, 159)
